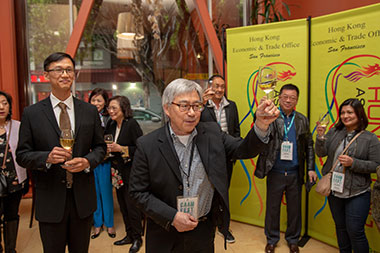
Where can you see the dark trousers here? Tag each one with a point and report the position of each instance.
(131, 215)
(72, 230)
(10, 205)
(350, 216)
(277, 184)
(230, 166)
(199, 240)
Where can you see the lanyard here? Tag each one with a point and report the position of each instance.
(190, 162)
(219, 117)
(176, 155)
(286, 129)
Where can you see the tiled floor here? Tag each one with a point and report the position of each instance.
(248, 238)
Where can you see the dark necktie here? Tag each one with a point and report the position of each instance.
(64, 123)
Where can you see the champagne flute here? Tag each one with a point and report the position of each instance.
(108, 139)
(67, 139)
(267, 80)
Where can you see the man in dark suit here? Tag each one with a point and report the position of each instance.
(64, 181)
(223, 111)
(178, 167)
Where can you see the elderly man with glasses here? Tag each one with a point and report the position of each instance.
(284, 165)
(179, 175)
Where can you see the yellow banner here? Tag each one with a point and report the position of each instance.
(345, 63)
(281, 45)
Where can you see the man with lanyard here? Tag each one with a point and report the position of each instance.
(284, 165)
(223, 111)
(178, 178)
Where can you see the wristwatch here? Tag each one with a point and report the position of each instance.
(87, 170)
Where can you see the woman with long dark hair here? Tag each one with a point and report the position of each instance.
(350, 198)
(125, 130)
(104, 211)
(14, 178)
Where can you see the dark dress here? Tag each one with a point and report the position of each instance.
(9, 171)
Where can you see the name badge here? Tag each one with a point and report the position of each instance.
(286, 151)
(188, 205)
(337, 181)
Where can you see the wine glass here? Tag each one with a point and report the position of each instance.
(267, 80)
(108, 139)
(324, 119)
(67, 139)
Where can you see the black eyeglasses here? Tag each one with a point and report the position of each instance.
(184, 107)
(59, 71)
(291, 98)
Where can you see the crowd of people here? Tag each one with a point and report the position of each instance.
(187, 162)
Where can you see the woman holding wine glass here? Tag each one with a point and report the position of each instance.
(125, 130)
(14, 181)
(104, 211)
(349, 200)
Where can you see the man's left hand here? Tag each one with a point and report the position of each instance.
(266, 113)
(76, 164)
(312, 176)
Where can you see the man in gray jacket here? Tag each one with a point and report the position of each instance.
(284, 165)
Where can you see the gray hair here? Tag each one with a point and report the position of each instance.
(180, 86)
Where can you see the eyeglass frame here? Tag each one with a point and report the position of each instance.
(55, 71)
(113, 108)
(291, 98)
(188, 106)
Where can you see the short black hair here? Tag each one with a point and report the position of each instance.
(290, 86)
(125, 105)
(104, 94)
(9, 100)
(359, 111)
(211, 79)
(57, 56)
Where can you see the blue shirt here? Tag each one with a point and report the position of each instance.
(288, 166)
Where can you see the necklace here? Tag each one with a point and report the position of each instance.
(3, 126)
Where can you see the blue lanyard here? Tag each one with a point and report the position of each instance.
(286, 129)
(219, 117)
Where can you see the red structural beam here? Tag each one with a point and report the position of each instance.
(8, 54)
(210, 33)
(79, 26)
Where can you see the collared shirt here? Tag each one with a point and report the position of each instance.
(69, 102)
(199, 183)
(289, 166)
(220, 113)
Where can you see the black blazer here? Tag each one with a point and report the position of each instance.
(129, 132)
(156, 181)
(232, 116)
(39, 134)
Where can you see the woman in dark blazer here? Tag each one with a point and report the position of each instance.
(125, 130)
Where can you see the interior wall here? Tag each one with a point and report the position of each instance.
(314, 8)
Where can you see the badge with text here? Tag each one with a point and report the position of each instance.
(188, 205)
(287, 151)
(337, 181)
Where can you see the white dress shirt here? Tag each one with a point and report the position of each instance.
(69, 102)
